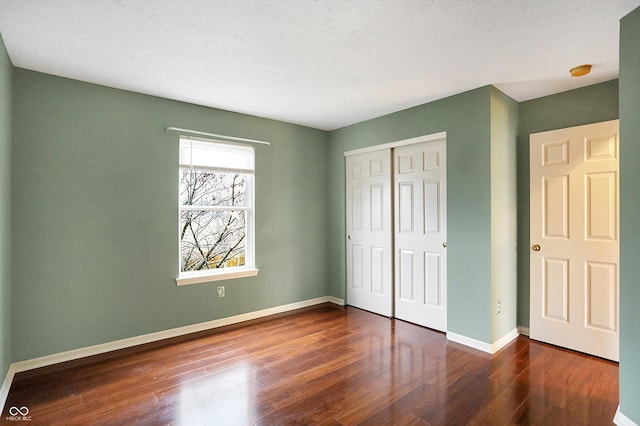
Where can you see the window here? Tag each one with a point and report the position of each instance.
(215, 211)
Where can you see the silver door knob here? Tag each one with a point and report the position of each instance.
(444, 244)
(348, 237)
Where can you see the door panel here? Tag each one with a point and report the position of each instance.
(556, 202)
(358, 266)
(601, 295)
(405, 192)
(556, 289)
(377, 270)
(407, 275)
(377, 208)
(431, 208)
(420, 233)
(356, 208)
(432, 265)
(575, 238)
(601, 206)
(369, 231)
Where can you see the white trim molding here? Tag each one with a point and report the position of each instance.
(217, 276)
(490, 348)
(396, 144)
(622, 420)
(6, 385)
(468, 341)
(523, 330)
(160, 335)
(504, 340)
(335, 300)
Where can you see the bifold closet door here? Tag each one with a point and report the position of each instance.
(369, 232)
(421, 234)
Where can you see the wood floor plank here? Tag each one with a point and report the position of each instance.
(324, 365)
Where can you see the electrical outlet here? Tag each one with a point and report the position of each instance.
(220, 292)
(498, 308)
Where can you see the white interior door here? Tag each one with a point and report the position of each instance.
(421, 234)
(575, 238)
(369, 232)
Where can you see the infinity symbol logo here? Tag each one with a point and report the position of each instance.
(14, 411)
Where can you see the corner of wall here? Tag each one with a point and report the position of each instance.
(629, 101)
(504, 130)
(6, 81)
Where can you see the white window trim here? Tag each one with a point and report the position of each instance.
(212, 275)
(218, 275)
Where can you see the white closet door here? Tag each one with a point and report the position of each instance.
(421, 234)
(369, 232)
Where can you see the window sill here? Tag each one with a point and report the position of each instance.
(216, 276)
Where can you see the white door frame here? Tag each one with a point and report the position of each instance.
(396, 144)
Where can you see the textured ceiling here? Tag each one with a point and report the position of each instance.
(320, 63)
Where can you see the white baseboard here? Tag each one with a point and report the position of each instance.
(490, 348)
(523, 330)
(335, 300)
(468, 341)
(504, 340)
(6, 385)
(622, 420)
(161, 335)
(166, 334)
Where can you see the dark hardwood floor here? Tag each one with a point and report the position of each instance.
(327, 365)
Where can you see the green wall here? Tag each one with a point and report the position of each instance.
(587, 105)
(630, 216)
(466, 119)
(504, 128)
(5, 210)
(94, 214)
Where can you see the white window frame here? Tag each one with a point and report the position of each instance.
(249, 269)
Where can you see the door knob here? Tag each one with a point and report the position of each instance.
(348, 237)
(444, 244)
(535, 247)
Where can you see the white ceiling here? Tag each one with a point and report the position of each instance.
(320, 63)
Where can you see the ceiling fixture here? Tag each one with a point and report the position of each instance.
(580, 70)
